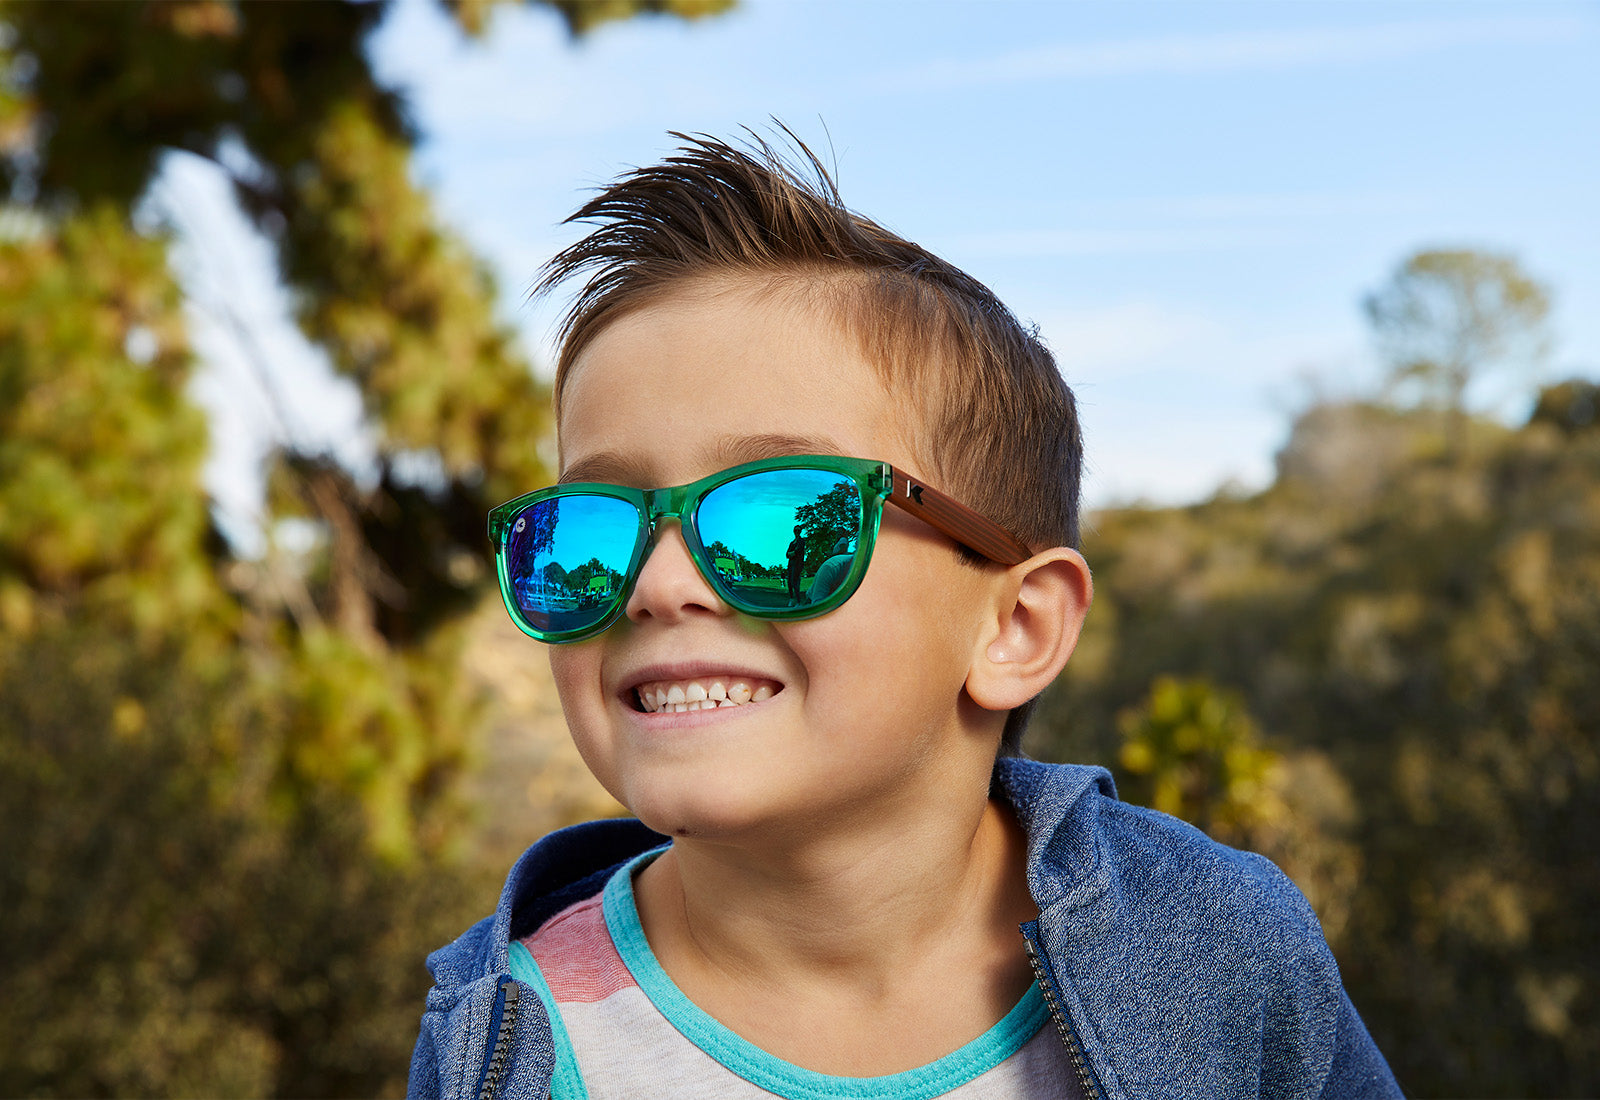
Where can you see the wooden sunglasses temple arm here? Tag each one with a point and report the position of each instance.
(946, 514)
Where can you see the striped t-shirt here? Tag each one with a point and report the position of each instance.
(623, 1029)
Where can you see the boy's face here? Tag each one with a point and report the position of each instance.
(867, 707)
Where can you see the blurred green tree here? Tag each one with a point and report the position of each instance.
(1448, 317)
(226, 784)
(1571, 406)
(1192, 750)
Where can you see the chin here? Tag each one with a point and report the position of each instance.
(699, 816)
(689, 822)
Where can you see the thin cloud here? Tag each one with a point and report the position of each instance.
(1234, 51)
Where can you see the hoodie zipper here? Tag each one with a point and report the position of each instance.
(1069, 1038)
(502, 1027)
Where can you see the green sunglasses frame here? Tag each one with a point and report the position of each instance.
(876, 482)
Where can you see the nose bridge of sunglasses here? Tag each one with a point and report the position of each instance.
(672, 503)
(661, 503)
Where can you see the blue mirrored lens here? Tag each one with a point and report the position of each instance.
(567, 558)
(781, 538)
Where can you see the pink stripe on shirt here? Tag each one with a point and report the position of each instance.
(575, 954)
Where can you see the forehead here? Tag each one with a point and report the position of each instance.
(714, 375)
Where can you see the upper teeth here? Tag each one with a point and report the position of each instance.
(679, 695)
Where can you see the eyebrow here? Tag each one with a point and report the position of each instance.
(734, 449)
(606, 466)
(730, 450)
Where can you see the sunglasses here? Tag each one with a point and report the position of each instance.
(783, 539)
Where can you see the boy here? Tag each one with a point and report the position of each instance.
(858, 898)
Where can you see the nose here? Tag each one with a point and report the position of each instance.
(670, 588)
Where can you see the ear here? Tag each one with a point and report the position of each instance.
(1039, 614)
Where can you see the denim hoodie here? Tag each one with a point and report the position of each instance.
(1174, 967)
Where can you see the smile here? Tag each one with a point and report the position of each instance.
(676, 696)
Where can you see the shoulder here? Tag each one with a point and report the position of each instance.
(474, 997)
(1224, 940)
(565, 867)
(1160, 861)
(1167, 943)
(1087, 849)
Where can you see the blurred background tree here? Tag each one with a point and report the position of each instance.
(1193, 751)
(226, 783)
(1415, 632)
(1447, 318)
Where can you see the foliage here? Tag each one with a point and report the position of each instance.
(99, 449)
(174, 925)
(582, 16)
(1447, 317)
(832, 515)
(227, 785)
(1418, 641)
(1192, 750)
(742, 566)
(579, 577)
(1571, 407)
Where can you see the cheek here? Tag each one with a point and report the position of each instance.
(576, 671)
(571, 667)
(899, 651)
(922, 594)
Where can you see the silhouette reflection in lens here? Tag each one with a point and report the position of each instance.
(766, 534)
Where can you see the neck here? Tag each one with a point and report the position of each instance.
(849, 904)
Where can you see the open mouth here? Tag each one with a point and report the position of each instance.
(676, 696)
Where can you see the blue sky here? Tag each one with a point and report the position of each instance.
(1189, 198)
